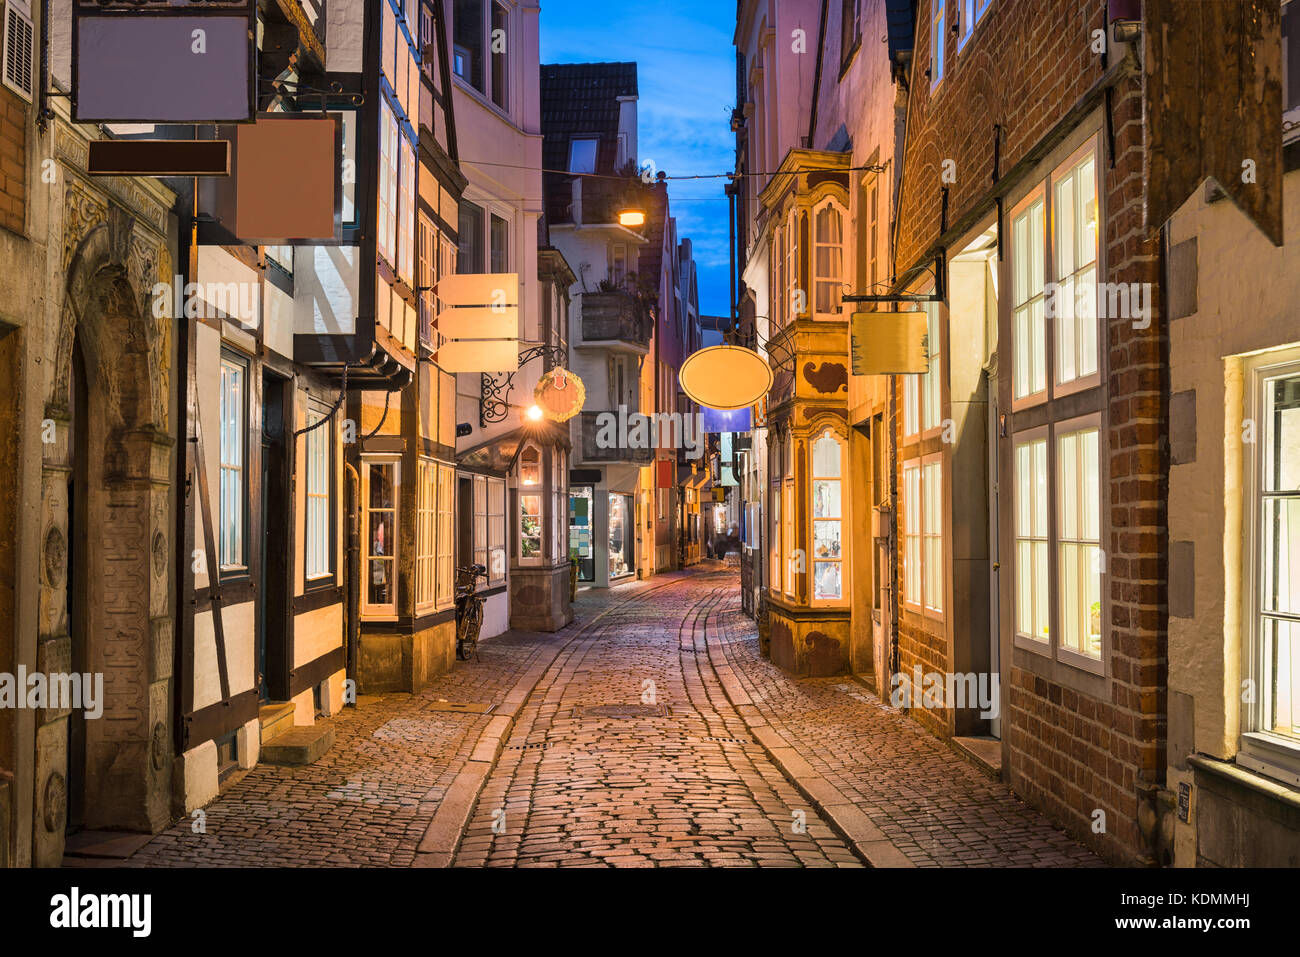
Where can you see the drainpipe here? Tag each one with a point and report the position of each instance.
(353, 570)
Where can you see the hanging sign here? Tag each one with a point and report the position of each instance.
(163, 61)
(560, 394)
(888, 343)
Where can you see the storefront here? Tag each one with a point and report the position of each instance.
(622, 535)
(581, 524)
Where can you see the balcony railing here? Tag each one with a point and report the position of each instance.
(596, 447)
(613, 316)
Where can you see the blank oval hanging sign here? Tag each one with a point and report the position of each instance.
(725, 377)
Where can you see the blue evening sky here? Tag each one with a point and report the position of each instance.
(686, 77)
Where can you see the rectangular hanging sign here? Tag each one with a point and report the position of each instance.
(888, 343)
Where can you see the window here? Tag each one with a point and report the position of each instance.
(446, 582)
(794, 564)
(232, 412)
(776, 274)
(1273, 726)
(500, 244)
(582, 154)
(470, 251)
(1031, 539)
(1029, 372)
(388, 181)
(1074, 255)
(661, 503)
(379, 492)
(467, 42)
(426, 535)
(828, 258)
(406, 213)
(922, 397)
(970, 13)
(828, 518)
(795, 301)
(932, 530)
(1290, 71)
(499, 47)
(850, 36)
(559, 506)
(1054, 278)
(319, 548)
(618, 265)
(869, 232)
(912, 533)
(1078, 503)
(774, 546)
(938, 32)
(490, 526)
(530, 505)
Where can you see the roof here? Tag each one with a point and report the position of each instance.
(580, 99)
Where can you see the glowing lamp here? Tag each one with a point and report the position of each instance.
(632, 218)
(535, 413)
(725, 377)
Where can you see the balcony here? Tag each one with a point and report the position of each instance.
(592, 451)
(611, 319)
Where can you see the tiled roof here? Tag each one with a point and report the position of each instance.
(580, 99)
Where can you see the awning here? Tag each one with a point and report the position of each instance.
(498, 454)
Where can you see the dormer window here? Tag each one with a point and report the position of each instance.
(582, 154)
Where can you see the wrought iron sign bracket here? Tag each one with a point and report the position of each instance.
(495, 388)
(940, 294)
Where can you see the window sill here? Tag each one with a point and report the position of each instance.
(1272, 756)
(1245, 776)
(1039, 646)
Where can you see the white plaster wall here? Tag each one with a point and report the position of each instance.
(344, 21)
(326, 284)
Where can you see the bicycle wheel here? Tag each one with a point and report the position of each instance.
(474, 624)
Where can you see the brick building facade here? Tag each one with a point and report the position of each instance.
(1022, 168)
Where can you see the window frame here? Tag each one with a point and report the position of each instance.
(1023, 206)
(242, 568)
(970, 16)
(537, 490)
(938, 41)
(369, 610)
(1032, 642)
(329, 579)
(933, 462)
(1263, 751)
(426, 533)
(1084, 662)
(810, 557)
(837, 283)
(574, 140)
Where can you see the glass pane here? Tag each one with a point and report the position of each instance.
(1282, 677)
(1090, 486)
(1071, 630)
(380, 583)
(1281, 543)
(826, 539)
(1068, 469)
(826, 580)
(826, 457)
(826, 499)
(381, 486)
(1086, 216)
(1024, 588)
(1040, 489)
(1064, 238)
(1086, 321)
(381, 533)
(1282, 446)
(1040, 590)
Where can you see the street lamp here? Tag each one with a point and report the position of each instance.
(632, 217)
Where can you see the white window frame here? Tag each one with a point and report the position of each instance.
(445, 593)
(1024, 210)
(912, 579)
(318, 457)
(836, 281)
(1264, 751)
(1023, 639)
(971, 12)
(932, 540)
(232, 457)
(537, 490)
(938, 41)
(368, 609)
(1061, 430)
(923, 392)
(1066, 169)
(811, 561)
(595, 152)
(426, 535)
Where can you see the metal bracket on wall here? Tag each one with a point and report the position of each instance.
(495, 388)
(938, 269)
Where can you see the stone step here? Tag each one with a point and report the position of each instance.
(298, 745)
(275, 718)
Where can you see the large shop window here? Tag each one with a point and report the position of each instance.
(319, 546)
(828, 518)
(1271, 742)
(380, 482)
(622, 557)
(233, 414)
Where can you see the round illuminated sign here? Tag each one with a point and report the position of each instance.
(560, 395)
(725, 377)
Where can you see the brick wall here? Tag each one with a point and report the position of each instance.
(1068, 753)
(13, 161)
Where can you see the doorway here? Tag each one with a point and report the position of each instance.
(77, 580)
(273, 584)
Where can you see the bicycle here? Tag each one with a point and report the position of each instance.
(469, 610)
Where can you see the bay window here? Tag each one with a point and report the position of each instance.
(828, 258)
(793, 294)
(828, 518)
(529, 529)
(774, 538)
(380, 482)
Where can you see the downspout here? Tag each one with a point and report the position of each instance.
(353, 585)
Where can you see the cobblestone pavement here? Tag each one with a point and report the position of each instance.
(934, 806)
(627, 752)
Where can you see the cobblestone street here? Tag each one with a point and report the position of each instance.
(647, 733)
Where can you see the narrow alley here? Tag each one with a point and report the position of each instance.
(649, 733)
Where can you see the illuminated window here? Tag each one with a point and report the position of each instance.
(1031, 539)
(319, 556)
(938, 38)
(232, 415)
(828, 258)
(379, 493)
(1029, 370)
(828, 519)
(1078, 519)
(1074, 256)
